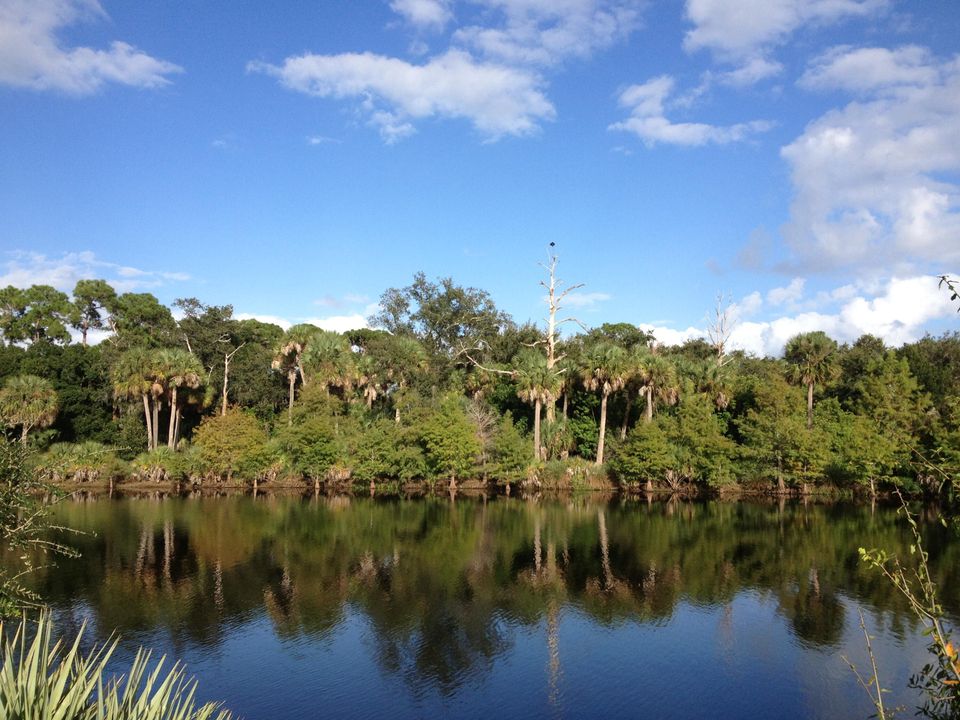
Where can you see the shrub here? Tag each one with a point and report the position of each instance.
(80, 462)
(233, 443)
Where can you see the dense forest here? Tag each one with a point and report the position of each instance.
(446, 386)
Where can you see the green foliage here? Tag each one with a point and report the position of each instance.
(449, 440)
(25, 524)
(233, 443)
(167, 465)
(81, 462)
(385, 450)
(511, 451)
(646, 455)
(27, 402)
(45, 680)
(310, 447)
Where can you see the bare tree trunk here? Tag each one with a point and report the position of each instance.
(292, 379)
(536, 430)
(147, 418)
(648, 416)
(809, 406)
(176, 430)
(226, 376)
(626, 416)
(156, 423)
(566, 400)
(173, 416)
(603, 428)
(83, 330)
(23, 433)
(396, 414)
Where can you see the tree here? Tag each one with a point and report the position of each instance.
(90, 299)
(288, 358)
(446, 316)
(810, 356)
(536, 384)
(605, 369)
(450, 439)
(132, 380)
(180, 369)
(27, 402)
(330, 360)
(139, 319)
(658, 381)
(38, 313)
(232, 443)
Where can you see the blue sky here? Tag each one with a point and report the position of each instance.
(801, 157)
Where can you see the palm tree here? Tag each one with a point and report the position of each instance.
(130, 377)
(535, 385)
(811, 357)
(28, 401)
(331, 360)
(289, 358)
(606, 369)
(636, 364)
(658, 381)
(181, 368)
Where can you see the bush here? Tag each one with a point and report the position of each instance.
(166, 465)
(80, 462)
(450, 440)
(233, 443)
(310, 448)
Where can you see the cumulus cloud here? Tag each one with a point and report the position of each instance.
(871, 179)
(498, 100)
(545, 32)
(427, 14)
(789, 294)
(647, 105)
(336, 323)
(897, 310)
(24, 269)
(745, 32)
(32, 55)
(866, 69)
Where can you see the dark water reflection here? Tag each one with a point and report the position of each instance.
(359, 608)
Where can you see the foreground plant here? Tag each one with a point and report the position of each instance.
(939, 679)
(53, 681)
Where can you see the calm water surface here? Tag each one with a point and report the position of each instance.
(289, 607)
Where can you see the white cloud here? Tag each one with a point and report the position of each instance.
(751, 72)
(498, 100)
(897, 310)
(647, 120)
(744, 32)
(32, 56)
(24, 269)
(586, 300)
(427, 14)
(789, 294)
(265, 318)
(336, 323)
(871, 179)
(865, 69)
(545, 32)
(339, 323)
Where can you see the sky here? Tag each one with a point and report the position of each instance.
(798, 158)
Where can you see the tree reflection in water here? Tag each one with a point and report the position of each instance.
(443, 584)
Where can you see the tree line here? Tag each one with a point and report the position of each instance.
(445, 385)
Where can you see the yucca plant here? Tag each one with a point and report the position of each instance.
(45, 680)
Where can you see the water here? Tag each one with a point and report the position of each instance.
(298, 607)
